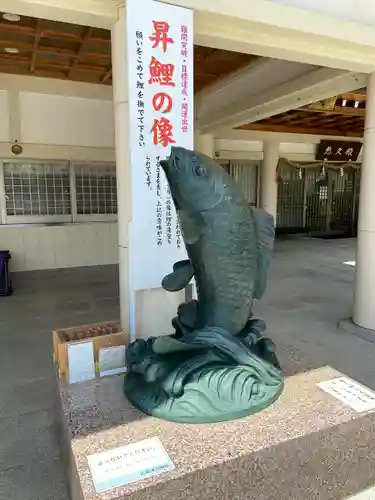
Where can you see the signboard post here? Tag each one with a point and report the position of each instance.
(161, 85)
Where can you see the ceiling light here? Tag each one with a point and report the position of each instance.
(11, 50)
(13, 18)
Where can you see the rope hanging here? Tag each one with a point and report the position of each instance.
(283, 162)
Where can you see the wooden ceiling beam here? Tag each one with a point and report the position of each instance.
(355, 96)
(81, 50)
(50, 64)
(107, 76)
(54, 64)
(36, 45)
(93, 69)
(17, 28)
(15, 57)
(51, 50)
(46, 73)
(300, 130)
(338, 110)
(28, 30)
(48, 33)
(29, 47)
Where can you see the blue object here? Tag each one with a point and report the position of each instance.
(5, 282)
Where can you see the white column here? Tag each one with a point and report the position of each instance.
(123, 171)
(204, 143)
(364, 294)
(268, 179)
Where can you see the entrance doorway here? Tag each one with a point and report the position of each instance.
(319, 199)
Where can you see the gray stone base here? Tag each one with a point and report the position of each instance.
(307, 446)
(348, 326)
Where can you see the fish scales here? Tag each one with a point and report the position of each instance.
(226, 280)
(223, 238)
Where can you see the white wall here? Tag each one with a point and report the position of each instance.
(52, 247)
(57, 120)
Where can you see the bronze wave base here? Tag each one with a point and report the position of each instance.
(204, 376)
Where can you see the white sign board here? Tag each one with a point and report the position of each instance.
(351, 393)
(112, 360)
(128, 464)
(161, 85)
(81, 364)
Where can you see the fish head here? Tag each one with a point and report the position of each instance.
(197, 182)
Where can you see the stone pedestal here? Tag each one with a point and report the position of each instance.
(307, 446)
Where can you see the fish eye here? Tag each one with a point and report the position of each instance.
(199, 170)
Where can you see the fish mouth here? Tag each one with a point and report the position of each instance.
(170, 164)
(164, 164)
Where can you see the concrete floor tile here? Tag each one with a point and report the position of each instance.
(27, 439)
(35, 481)
(310, 289)
(24, 397)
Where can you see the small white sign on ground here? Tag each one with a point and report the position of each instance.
(128, 464)
(351, 393)
(112, 360)
(81, 364)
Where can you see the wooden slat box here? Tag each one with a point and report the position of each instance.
(89, 351)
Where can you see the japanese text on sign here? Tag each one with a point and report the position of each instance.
(184, 81)
(128, 464)
(140, 87)
(162, 74)
(351, 393)
(338, 150)
(160, 64)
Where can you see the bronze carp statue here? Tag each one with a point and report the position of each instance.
(218, 365)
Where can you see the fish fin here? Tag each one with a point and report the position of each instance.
(265, 231)
(191, 227)
(180, 277)
(181, 263)
(168, 345)
(188, 313)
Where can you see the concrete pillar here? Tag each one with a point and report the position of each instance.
(364, 292)
(268, 179)
(151, 310)
(123, 172)
(204, 143)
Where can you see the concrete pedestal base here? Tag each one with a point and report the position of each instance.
(348, 326)
(306, 446)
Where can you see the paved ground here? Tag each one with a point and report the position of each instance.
(310, 289)
(30, 466)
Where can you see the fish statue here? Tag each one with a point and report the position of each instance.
(228, 242)
(218, 365)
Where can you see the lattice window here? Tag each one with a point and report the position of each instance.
(96, 194)
(36, 191)
(246, 174)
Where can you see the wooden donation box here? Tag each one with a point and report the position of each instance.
(90, 351)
